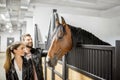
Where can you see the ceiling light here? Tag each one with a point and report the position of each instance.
(3, 16)
(7, 26)
(10, 30)
(2, 5)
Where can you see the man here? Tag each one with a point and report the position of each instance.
(34, 56)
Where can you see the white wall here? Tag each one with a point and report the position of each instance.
(15, 34)
(42, 17)
(29, 26)
(5, 35)
(106, 29)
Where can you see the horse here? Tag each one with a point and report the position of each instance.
(65, 37)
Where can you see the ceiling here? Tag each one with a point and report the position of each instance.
(14, 12)
(86, 4)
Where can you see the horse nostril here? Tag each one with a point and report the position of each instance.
(49, 64)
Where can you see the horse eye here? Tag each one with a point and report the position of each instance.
(60, 35)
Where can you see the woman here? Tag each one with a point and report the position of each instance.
(16, 68)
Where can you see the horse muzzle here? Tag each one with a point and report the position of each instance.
(51, 62)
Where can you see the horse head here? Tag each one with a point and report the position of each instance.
(61, 43)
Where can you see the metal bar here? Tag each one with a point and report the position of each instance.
(52, 74)
(56, 72)
(64, 70)
(116, 64)
(45, 69)
(100, 47)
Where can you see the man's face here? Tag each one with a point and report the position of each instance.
(28, 41)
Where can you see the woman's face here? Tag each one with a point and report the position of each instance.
(20, 50)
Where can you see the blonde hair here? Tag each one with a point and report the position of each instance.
(9, 50)
(24, 36)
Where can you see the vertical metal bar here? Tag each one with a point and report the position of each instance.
(45, 69)
(49, 36)
(113, 63)
(36, 36)
(64, 69)
(20, 34)
(116, 65)
(53, 20)
(52, 74)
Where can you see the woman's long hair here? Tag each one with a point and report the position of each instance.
(9, 52)
(8, 59)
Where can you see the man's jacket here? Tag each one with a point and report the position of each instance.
(37, 61)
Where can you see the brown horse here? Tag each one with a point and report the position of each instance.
(65, 37)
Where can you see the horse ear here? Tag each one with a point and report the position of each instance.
(63, 21)
(57, 22)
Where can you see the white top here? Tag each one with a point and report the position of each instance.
(19, 72)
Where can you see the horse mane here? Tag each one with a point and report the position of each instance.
(81, 36)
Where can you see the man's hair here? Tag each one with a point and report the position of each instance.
(24, 36)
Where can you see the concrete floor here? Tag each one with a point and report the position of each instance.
(2, 72)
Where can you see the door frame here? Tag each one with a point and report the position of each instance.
(10, 40)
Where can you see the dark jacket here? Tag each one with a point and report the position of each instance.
(37, 61)
(12, 74)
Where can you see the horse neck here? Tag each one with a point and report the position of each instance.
(74, 35)
(81, 36)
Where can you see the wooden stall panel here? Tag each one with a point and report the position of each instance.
(43, 69)
(43, 59)
(48, 74)
(57, 77)
(43, 66)
(73, 75)
(58, 68)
